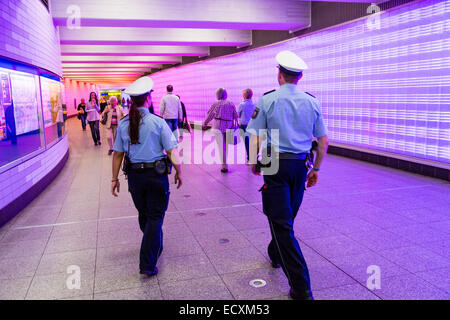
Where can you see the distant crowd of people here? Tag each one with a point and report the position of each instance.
(222, 113)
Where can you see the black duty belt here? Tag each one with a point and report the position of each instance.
(223, 119)
(142, 165)
(292, 156)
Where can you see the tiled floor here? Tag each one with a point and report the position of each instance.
(215, 235)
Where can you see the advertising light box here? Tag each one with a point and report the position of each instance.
(25, 103)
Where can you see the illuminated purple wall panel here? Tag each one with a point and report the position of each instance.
(385, 89)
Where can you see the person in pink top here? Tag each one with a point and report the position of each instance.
(93, 117)
(225, 117)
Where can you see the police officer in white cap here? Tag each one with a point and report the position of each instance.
(141, 140)
(297, 117)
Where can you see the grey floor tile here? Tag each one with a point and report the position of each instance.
(222, 241)
(357, 266)
(314, 229)
(126, 236)
(409, 287)
(120, 277)
(146, 292)
(209, 226)
(71, 243)
(210, 288)
(255, 221)
(59, 262)
(14, 289)
(346, 292)
(83, 298)
(438, 277)
(117, 255)
(184, 268)
(240, 211)
(261, 236)
(441, 247)
(238, 259)
(182, 246)
(55, 286)
(424, 215)
(176, 230)
(380, 240)
(420, 233)
(75, 229)
(415, 258)
(14, 235)
(386, 219)
(240, 284)
(22, 248)
(37, 217)
(326, 275)
(335, 246)
(349, 225)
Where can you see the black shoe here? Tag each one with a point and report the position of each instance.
(297, 295)
(224, 170)
(96, 144)
(275, 265)
(99, 142)
(149, 273)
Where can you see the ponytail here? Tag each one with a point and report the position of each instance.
(135, 117)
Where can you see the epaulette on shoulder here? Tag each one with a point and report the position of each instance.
(310, 94)
(157, 115)
(269, 92)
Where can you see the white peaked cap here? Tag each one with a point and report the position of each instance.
(140, 86)
(291, 62)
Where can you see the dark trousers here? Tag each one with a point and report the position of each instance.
(246, 139)
(95, 130)
(173, 124)
(83, 120)
(282, 196)
(59, 126)
(150, 193)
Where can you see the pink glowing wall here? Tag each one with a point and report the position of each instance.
(75, 90)
(383, 83)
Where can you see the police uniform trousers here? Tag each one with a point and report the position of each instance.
(150, 193)
(282, 196)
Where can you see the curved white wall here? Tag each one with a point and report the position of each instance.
(28, 35)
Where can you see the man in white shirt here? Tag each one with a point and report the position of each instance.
(170, 109)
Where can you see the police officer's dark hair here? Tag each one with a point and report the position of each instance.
(135, 117)
(169, 88)
(290, 78)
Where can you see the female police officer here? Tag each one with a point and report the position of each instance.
(142, 137)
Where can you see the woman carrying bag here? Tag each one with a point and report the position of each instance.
(225, 117)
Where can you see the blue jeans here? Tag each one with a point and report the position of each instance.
(246, 139)
(173, 125)
(83, 121)
(150, 193)
(282, 196)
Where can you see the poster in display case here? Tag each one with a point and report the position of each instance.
(5, 101)
(25, 103)
(51, 101)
